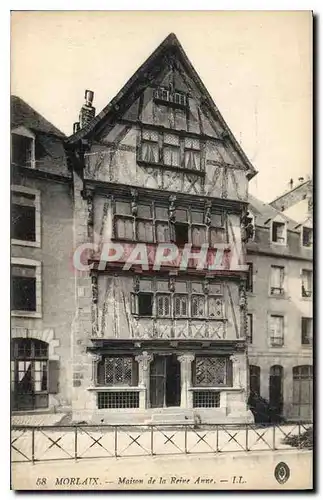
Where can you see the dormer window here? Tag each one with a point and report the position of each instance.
(23, 148)
(170, 97)
(307, 237)
(279, 232)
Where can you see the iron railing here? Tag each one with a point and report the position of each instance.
(75, 442)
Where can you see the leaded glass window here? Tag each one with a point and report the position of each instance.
(209, 371)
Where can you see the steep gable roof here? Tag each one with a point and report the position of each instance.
(141, 77)
(24, 115)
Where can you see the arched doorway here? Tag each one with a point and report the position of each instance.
(254, 379)
(276, 388)
(29, 374)
(303, 391)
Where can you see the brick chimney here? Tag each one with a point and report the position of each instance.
(87, 112)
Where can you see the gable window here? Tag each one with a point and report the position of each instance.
(25, 216)
(277, 280)
(307, 237)
(307, 325)
(249, 286)
(279, 232)
(307, 283)
(149, 146)
(184, 299)
(170, 149)
(22, 150)
(276, 330)
(249, 328)
(25, 288)
(170, 97)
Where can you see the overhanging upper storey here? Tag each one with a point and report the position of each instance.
(163, 131)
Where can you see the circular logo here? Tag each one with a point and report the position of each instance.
(282, 472)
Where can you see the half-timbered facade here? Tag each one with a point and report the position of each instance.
(159, 171)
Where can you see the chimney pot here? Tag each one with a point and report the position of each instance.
(87, 112)
(76, 127)
(89, 94)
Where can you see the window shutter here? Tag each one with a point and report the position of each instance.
(53, 376)
(229, 372)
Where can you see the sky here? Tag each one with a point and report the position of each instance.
(256, 65)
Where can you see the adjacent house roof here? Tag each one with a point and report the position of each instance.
(264, 213)
(286, 201)
(24, 115)
(170, 43)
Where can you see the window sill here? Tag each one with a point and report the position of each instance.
(282, 296)
(170, 167)
(22, 243)
(216, 389)
(307, 299)
(171, 104)
(276, 346)
(26, 314)
(179, 318)
(277, 243)
(115, 388)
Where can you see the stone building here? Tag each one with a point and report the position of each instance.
(42, 286)
(159, 165)
(280, 292)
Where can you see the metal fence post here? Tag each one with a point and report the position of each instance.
(299, 435)
(152, 440)
(116, 441)
(274, 436)
(217, 438)
(75, 442)
(33, 445)
(185, 438)
(247, 438)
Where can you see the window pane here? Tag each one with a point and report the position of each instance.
(161, 213)
(197, 217)
(162, 230)
(215, 307)
(163, 305)
(21, 153)
(23, 222)
(210, 371)
(181, 305)
(171, 156)
(150, 135)
(171, 139)
(23, 294)
(192, 160)
(162, 286)
(124, 228)
(149, 152)
(192, 143)
(123, 208)
(217, 236)
(144, 211)
(197, 287)
(198, 235)
(198, 310)
(145, 304)
(145, 231)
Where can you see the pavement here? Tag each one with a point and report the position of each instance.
(38, 419)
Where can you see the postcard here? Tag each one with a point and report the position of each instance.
(161, 250)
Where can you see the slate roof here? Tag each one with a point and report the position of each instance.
(24, 115)
(264, 213)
